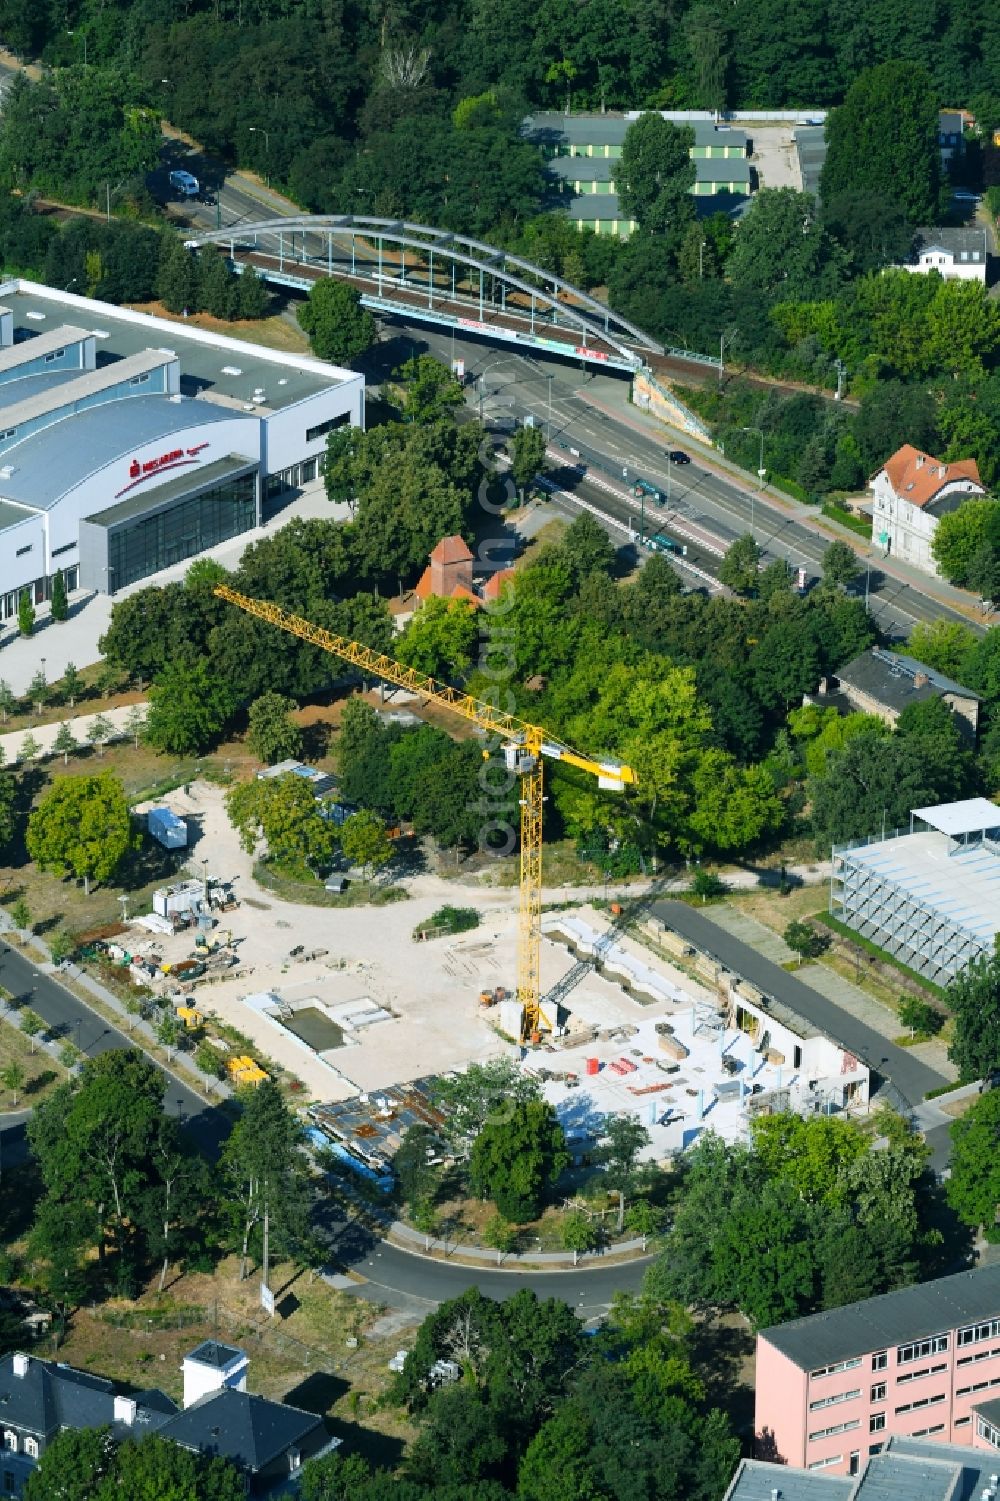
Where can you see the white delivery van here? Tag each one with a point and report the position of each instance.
(185, 184)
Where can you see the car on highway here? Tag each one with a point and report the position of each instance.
(678, 456)
(185, 183)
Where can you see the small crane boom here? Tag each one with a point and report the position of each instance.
(525, 746)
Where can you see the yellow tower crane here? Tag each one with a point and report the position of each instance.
(525, 746)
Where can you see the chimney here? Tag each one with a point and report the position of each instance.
(920, 680)
(942, 470)
(125, 1408)
(20, 1364)
(920, 461)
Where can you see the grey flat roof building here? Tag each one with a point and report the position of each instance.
(112, 413)
(907, 1470)
(208, 371)
(82, 387)
(549, 127)
(896, 1318)
(810, 149)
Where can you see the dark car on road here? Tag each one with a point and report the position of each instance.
(678, 456)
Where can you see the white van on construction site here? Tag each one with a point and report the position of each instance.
(185, 184)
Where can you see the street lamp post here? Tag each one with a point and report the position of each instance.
(259, 130)
(761, 471)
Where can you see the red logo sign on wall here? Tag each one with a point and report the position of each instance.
(176, 458)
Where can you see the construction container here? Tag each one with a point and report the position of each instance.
(167, 829)
(593, 1066)
(186, 896)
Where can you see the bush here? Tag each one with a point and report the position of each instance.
(921, 1017)
(455, 919)
(706, 884)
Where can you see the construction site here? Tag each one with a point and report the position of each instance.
(349, 1002)
(366, 1004)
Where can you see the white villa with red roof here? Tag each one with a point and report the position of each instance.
(912, 491)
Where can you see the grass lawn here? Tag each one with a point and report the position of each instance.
(274, 333)
(60, 903)
(301, 1355)
(42, 1073)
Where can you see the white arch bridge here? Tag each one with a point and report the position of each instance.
(435, 276)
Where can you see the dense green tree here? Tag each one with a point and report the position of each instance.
(89, 1463)
(25, 613)
(840, 564)
(874, 782)
(430, 390)
(189, 704)
(265, 1174)
(339, 328)
(654, 175)
(884, 140)
(440, 638)
(516, 1160)
(586, 548)
(623, 1139)
(959, 536)
(740, 566)
(151, 626)
(284, 811)
(527, 456)
(82, 827)
(365, 842)
(177, 278)
(974, 1002)
(60, 604)
(253, 300)
(782, 246)
(873, 229)
(973, 1187)
(216, 285)
(785, 663)
(943, 644)
(103, 1146)
(272, 734)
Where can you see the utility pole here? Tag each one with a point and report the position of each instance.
(266, 1257)
(841, 372)
(726, 337)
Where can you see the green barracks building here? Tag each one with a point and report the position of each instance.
(581, 151)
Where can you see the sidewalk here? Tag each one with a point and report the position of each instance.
(960, 601)
(139, 1030)
(560, 1261)
(78, 720)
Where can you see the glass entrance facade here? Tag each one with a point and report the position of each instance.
(141, 547)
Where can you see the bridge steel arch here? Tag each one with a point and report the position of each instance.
(590, 331)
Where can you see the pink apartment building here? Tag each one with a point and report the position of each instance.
(832, 1388)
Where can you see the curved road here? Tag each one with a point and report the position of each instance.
(407, 1280)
